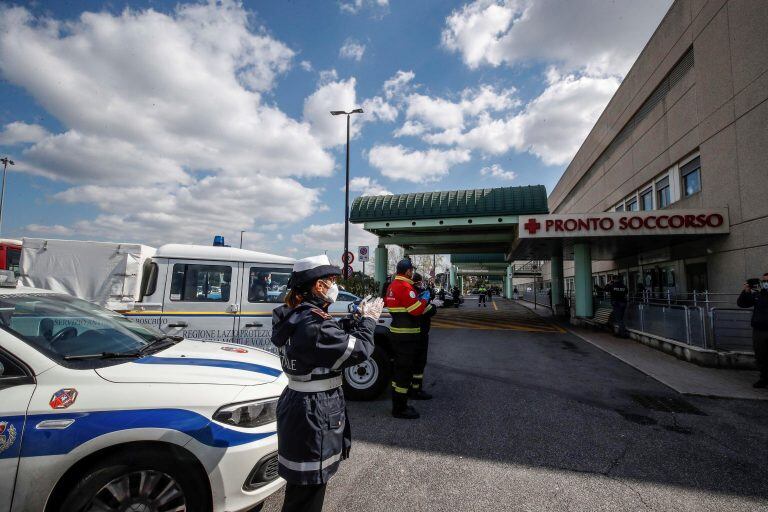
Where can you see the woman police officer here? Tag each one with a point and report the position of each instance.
(312, 428)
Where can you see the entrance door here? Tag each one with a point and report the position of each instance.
(262, 289)
(201, 299)
(16, 387)
(696, 277)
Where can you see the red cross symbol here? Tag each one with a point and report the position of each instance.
(532, 226)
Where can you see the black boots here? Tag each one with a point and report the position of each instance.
(401, 409)
(419, 394)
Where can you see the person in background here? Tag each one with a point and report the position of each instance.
(618, 294)
(313, 433)
(456, 296)
(416, 392)
(481, 296)
(406, 309)
(755, 295)
(515, 293)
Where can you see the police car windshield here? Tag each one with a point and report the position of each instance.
(61, 326)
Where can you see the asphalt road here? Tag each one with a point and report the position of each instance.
(538, 420)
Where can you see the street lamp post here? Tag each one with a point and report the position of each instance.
(241, 238)
(6, 162)
(346, 189)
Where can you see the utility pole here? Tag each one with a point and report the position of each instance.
(6, 162)
(241, 238)
(346, 190)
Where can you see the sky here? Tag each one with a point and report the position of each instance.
(170, 122)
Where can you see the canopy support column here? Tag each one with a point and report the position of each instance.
(452, 276)
(557, 286)
(509, 280)
(382, 262)
(582, 256)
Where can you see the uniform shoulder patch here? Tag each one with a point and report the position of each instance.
(412, 294)
(322, 314)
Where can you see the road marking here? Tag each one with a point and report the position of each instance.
(495, 307)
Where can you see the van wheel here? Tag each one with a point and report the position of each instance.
(139, 482)
(367, 380)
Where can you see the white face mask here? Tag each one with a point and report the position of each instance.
(332, 294)
(765, 285)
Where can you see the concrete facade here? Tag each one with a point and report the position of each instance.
(698, 89)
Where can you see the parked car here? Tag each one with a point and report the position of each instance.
(100, 413)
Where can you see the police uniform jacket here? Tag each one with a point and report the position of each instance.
(618, 292)
(312, 428)
(405, 307)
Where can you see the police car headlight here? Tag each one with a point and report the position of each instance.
(248, 414)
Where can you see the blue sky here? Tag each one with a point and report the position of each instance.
(165, 122)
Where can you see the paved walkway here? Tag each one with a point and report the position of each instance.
(498, 314)
(545, 421)
(683, 377)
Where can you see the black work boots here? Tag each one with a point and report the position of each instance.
(406, 413)
(401, 409)
(419, 394)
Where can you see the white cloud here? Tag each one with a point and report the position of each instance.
(306, 65)
(191, 214)
(398, 84)
(410, 128)
(495, 171)
(352, 49)
(354, 6)
(334, 94)
(368, 187)
(399, 163)
(435, 112)
(19, 133)
(181, 111)
(317, 238)
(55, 229)
(593, 36)
(552, 126)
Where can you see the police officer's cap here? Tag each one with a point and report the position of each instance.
(307, 270)
(404, 265)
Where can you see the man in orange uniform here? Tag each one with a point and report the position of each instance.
(405, 307)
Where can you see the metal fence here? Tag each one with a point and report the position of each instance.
(700, 319)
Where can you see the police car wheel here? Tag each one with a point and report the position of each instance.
(366, 381)
(139, 483)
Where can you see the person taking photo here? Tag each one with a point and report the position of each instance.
(755, 295)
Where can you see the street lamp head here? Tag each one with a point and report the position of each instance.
(357, 111)
(337, 112)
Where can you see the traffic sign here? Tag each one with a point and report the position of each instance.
(362, 253)
(348, 271)
(348, 258)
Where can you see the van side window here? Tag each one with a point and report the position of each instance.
(148, 280)
(268, 284)
(201, 283)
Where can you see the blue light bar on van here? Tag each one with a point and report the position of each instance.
(218, 241)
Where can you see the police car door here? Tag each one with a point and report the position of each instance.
(201, 299)
(263, 288)
(16, 387)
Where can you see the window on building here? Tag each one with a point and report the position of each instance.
(268, 284)
(632, 205)
(691, 174)
(620, 208)
(663, 193)
(201, 283)
(646, 199)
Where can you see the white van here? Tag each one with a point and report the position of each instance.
(212, 293)
(209, 293)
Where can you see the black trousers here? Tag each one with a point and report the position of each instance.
(619, 308)
(760, 344)
(304, 498)
(420, 361)
(404, 347)
(481, 299)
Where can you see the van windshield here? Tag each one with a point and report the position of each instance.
(63, 327)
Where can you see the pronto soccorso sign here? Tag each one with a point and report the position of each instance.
(656, 222)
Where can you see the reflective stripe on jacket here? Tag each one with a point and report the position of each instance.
(405, 307)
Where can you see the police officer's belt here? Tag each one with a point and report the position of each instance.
(314, 386)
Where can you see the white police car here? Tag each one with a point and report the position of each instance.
(98, 413)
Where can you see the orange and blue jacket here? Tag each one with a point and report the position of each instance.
(405, 307)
